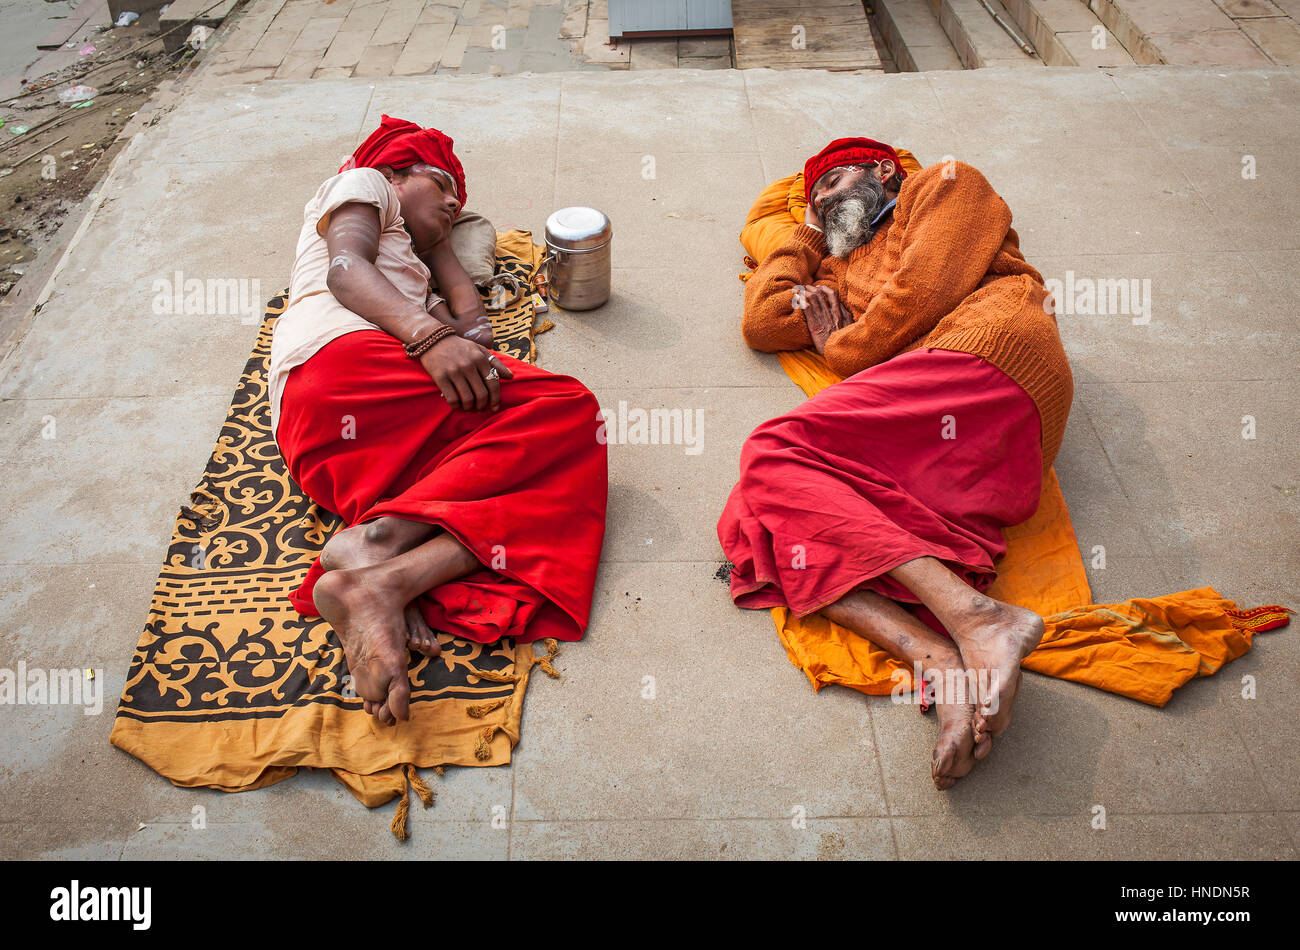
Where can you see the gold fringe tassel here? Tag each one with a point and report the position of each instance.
(552, 651)
(411, 780)
(478, 712)
(493, 677)
(481, 750)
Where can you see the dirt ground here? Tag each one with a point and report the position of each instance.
(48, 169)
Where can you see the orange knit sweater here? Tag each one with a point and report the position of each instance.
(944, 271)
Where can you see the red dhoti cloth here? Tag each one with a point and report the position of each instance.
(366, 433)
(930, 453)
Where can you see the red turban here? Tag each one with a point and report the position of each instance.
(847, 152)
(401, 144)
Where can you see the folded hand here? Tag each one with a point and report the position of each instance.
(823, 311)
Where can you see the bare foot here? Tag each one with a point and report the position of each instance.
(422, 639)
(993, 638)
(363, 545)
(954, 753)
(956, 750)
(370, 623)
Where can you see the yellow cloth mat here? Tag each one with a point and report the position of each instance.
(230, 688)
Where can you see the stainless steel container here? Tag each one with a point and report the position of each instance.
(578, 261)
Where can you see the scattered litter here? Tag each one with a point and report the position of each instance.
(82, 105)
(6, 171)
(66, 152)
(198, 37)
(139, 64)
(126, 19)
(163, 9)
(78, 94)
(87, 50)
(89, 145)
(90, 674)
(18, 129)
(142, 826)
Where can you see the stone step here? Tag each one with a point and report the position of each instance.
(1067, 33)
(181, 12)
(913, 36)
(976, 36)
(1123, 27)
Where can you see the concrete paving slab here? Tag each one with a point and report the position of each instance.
(377, 61)
(1211, 314)
(677, 211)
(676, 674)
(800, 118)
(92, 504)
(96, 840)
(1248, 579)
(1249, 107)
(1134, 203)
(1121, 754)
(1257, 705)
(107, 625)
(1204, 490)
(1229, 47)
(1102, 514)
(668, 494)
(1244, 189)
(58, 764)
(1125, 837)
(813, 839)
(357, 840)
(704, 112)
(647, 335)
(1026, 108)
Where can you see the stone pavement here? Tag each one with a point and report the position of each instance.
(1206, 32)
(1127, 173)
(335, 39)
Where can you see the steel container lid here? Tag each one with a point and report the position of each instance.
(578, 229)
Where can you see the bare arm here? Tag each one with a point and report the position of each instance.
(458, 366)
(468, 318)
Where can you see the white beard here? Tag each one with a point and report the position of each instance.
(847, 228)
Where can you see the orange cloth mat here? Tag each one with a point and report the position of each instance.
(1143, 648)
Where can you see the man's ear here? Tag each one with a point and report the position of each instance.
(386, 171)
(885, 169)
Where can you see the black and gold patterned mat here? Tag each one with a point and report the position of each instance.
(231, 688)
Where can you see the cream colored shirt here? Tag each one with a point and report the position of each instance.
(314, 317)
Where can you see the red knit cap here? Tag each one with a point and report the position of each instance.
(401, 144)
(846, 152)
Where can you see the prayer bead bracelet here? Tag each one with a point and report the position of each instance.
(418, 348)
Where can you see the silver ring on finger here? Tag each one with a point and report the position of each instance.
(492, 374)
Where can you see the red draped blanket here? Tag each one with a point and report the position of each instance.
(931, 453)
(366, 433)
